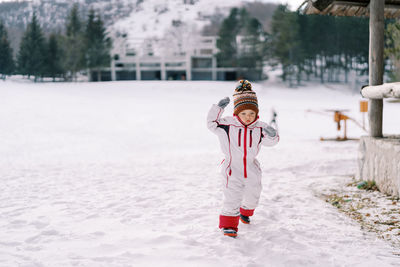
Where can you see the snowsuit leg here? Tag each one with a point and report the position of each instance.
(233, 189)
(241, 196)
(251, 194)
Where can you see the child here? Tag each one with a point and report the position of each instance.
(240, 138)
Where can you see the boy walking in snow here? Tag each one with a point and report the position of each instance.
(240, 138)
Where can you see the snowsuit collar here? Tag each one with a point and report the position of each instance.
(241, 122)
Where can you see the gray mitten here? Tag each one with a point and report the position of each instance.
(271, 132)
(223, 102)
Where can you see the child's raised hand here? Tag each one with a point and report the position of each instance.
(271, 132)
(223, 102)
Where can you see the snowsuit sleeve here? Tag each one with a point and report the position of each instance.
(214, 119)
(267, 140)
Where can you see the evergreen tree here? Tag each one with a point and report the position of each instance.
(73, 44)
(285, 40)
(97, 45)
(226, 43)
(53, 58)
(6, 58)
(307, 46)
(74, 24)
(251, 54)
(392, 49)
(31, 54)
(241, 43)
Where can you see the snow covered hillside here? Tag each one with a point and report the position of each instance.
(126, 174)
(153, 18)
(138, 18)
(147, 17)
(53, 13)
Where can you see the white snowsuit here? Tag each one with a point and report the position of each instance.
(240, 169)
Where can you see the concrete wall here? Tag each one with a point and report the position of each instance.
(379, 160)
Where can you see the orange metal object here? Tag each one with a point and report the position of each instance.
(338, 117)
(363, 106)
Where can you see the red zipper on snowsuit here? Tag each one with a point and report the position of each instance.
(245, 152)
(245, 142)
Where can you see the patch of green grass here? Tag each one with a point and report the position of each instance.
(367, 185)
(338, 201)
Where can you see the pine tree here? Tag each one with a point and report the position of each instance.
(307, 46)
(73, 43)
(285, 40)
(31, 55)
(251, 54)
(53, 58)
(241, 44)
(226, 43)
(97, 45)
(6, 58)
(74, 24)
(392, 49)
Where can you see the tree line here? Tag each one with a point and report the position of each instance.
(304, 47)
(325, 47)
(83, 46)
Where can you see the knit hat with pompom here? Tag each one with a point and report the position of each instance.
(244, 98)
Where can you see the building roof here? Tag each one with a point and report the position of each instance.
(348, 8)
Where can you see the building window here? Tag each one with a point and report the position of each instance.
(175, 64)
(189, 2)
(201, 62)
(206, 51)
(151, 65)
(131, 52)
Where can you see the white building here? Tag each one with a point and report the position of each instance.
(155, 59)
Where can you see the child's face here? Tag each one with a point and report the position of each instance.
(247, 116)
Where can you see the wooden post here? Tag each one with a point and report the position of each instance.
(376, 45)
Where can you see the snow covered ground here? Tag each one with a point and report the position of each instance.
(126, 174)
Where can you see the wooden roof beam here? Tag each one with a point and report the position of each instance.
(321, 5)
(350, 3)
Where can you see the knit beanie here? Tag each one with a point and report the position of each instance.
(244, 98)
